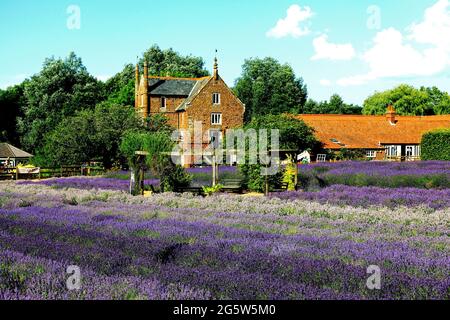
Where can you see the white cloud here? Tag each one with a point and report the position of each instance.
(325, 82)
(290, 25)
(392, 55)
(10, 81)
(331, 51)
(435, 28)
(103, 77)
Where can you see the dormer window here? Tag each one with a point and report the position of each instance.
(163, 103)
(216, 98)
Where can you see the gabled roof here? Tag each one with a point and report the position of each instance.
(194, 92)
(9, 151)
(371, 132)
(168, 86)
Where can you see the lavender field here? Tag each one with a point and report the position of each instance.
(170, 246)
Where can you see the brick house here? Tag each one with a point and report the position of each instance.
(389, 137)
(185, 101)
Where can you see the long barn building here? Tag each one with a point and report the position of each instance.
(389, 137)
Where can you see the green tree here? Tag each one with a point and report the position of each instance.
(72, 142)
(120, 88)
(90, 134)
(435, 145)
(157, 145)
(111, 121)
(114, 86)
(336, 105)
(294, 135)
(62, 88)
(268, 87)
(11, 102)
(408, 100)
(171, 63)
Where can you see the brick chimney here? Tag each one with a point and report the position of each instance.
(145, 107)
(391, 115)
(216, 69)
(136, 88)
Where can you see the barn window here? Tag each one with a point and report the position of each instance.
(216, 98)
(371, 154)
(216, 118)
(163, 103)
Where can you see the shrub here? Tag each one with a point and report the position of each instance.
(255, 181)
(289, 174)
(209, 191)
(174, 177)
(436, 145)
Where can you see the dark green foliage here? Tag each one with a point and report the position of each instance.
(62, 88)
(170, 63)
(120, 88)
(294, 133)
(174, 177)
(255, 181)
(348, 155)
(408, 100)
(158, 145)
(116, 86)
(436, 145)
(91, 134)
(11, 102)
(336, 105)
(268, 87)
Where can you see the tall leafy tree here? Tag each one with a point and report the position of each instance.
(62, 88)
(11, 101)
(408, 100)
(268, 87)
(335, 105)
(90, 134)
(171, 63)
(120, 88)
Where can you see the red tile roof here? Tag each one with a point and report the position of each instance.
(370, 132)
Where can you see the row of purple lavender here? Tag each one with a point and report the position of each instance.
(225, 247)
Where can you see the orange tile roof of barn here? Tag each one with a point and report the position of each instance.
(370, 132)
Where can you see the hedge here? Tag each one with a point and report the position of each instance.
(436, 145)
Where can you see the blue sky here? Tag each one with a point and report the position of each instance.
(348, 47)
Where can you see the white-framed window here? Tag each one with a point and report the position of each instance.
(321, 158)
(393, 151)
(163, 103)
(412, 151)
(371, 154)
(216, 98)
(216, 118)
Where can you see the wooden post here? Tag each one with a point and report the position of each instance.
(266, 184)
(137, 174)
(141, 177)
(17, 173)
(296, 170)
(214, 170)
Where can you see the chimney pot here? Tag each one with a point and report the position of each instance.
(391, 115)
